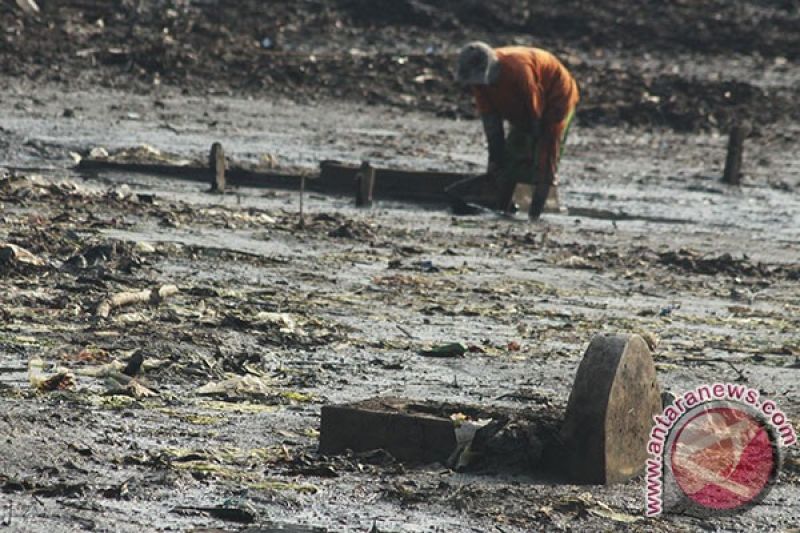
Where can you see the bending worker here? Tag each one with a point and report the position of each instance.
(537, 95)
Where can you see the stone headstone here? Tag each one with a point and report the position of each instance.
(610, 411)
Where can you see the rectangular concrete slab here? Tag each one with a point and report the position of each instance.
(391, 424)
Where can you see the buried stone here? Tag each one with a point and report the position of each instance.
(601, 438)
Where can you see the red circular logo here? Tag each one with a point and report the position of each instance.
(723, 458)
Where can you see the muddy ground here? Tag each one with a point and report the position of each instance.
(338, 310)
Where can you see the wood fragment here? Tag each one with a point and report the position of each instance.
(153, 296)
(334, 178)
(28, 6)
(405, 331)
(64, 380)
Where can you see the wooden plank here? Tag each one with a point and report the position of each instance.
(235, 175)
(386, 424)
(334, 178)
(424, 186)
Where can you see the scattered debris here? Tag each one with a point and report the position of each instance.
(151, 296)
(144, 248)
(239, 387)
(243, 515)
(16, 255)
(586, 503)
(28, 6)
(61, 380)
(134, 364)
(117, 385)
(454, 349)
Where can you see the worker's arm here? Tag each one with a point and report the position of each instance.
(529, 86)
(495, 137)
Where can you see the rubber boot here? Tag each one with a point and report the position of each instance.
(553, 203)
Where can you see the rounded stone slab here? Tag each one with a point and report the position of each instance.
(610, 410)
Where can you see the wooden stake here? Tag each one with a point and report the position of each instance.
(216, 162)
(365, 183)
(302, 221)
(733, 162)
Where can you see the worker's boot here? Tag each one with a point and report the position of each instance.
(553, 203)
(545, 201)
(505, 195)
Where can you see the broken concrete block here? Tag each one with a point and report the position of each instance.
(610, 411)
(459, 436)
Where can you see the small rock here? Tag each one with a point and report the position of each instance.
(667, 398)
(98, 153)
(144, 248)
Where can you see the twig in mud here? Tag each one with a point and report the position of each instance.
(405, 331)
(742, 377)
(302, 222)
(153, 296)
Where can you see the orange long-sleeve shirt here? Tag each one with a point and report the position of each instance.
(532, 84)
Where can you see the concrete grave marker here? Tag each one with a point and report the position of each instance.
(610, 411)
